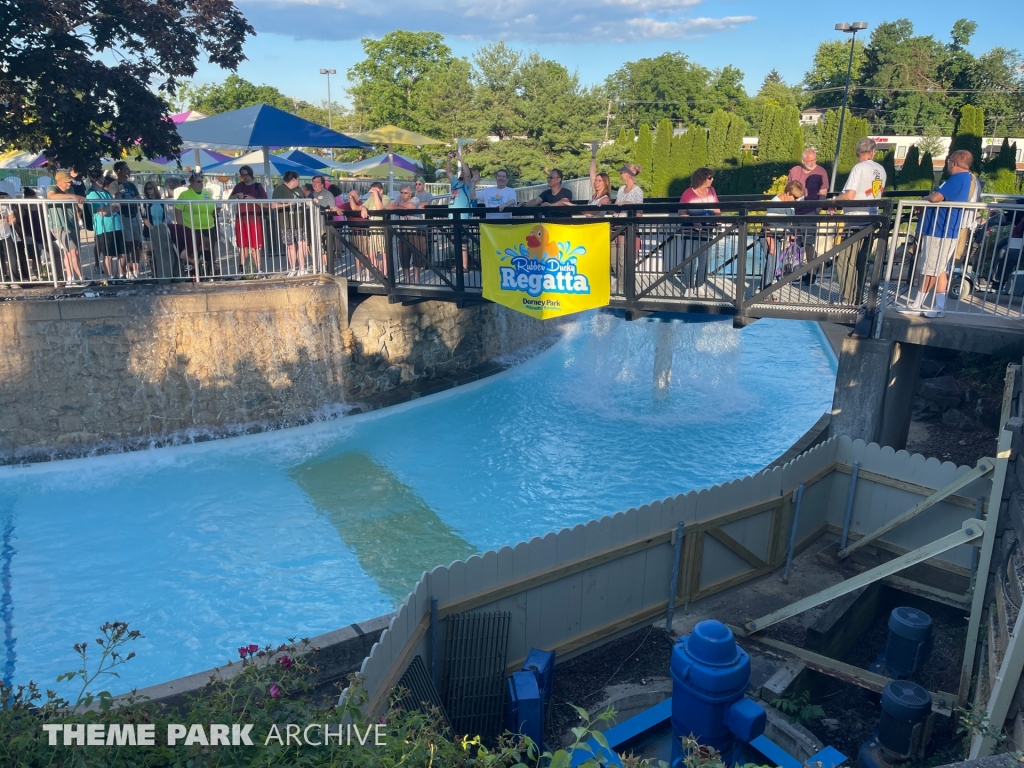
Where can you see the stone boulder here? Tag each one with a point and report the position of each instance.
(941, 390)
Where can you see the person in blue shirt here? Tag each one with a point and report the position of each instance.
(463, 193)
(938, 234)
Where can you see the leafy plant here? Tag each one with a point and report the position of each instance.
(798, 708)
(974, 721)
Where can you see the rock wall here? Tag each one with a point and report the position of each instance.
(142, 366)
(388, 346)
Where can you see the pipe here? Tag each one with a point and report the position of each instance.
(975, 552)
(792, 535)
(849, 503)
(434, 671)
(675, 576)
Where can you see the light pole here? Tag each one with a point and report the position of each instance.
(853, 28)
(330, 121)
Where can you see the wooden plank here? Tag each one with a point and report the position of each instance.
(896, 549)
(984, 467)
(903, 485)
(553, 597)
(941, 702)
(571, 548)
(931, 593)
(697, 564)
(402, 660)
(731, 581)
(546, 576)
(723, 538)
(719, 562)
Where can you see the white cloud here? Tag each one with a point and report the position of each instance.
(543, 21)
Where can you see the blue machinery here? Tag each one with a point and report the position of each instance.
(710, 675)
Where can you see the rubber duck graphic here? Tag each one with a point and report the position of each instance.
(539, 246)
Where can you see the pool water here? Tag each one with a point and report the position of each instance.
(257, 539)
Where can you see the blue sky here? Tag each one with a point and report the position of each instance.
(295, 38)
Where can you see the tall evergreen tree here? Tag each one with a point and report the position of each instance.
(661, 172)
(927, 173)
(699, 147)
(796, 133)
(888, 162)
(718, 129)
(1005, 159)
(682, 149)
(911, 169)
(772, 141)
(970, 127)
(643, 155)
(734, 135)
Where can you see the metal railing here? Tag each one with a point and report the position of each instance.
(955, 259)
(580, 189)
(663, 257)
(63, 243)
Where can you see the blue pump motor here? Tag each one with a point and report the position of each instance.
(909, 643)
(904, 729)
(710, 675)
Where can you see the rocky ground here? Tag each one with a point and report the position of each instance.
(956, 410)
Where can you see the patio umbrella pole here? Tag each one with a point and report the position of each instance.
(391, 172)
(266, 169)
(199, 165)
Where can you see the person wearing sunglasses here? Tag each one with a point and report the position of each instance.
(249, 222)
(555, 194)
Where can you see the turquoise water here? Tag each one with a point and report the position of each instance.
(287, 534)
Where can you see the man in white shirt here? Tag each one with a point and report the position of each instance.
(866, 182)
(500, 197)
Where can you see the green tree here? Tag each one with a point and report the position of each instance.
(932, 141)
(910, 171)
(234, 93)
(81, 81)
(775, 139)
(661, 172)
(682, 164)
(383, 83)
(887, 159)
(970, 128)
(1006, 158)
(826, 79)
(927, 172)
(718, 129)
(698, 147)
(644, 156)
(497, 76)
(445, 98)
(734, 138)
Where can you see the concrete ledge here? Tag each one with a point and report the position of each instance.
(341, 653)
(985, 334)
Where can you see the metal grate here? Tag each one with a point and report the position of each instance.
(476, 654)
(421, 695)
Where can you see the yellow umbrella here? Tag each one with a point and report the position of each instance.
(391, 135)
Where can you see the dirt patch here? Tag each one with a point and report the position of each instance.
(582, 681)
(964, 447)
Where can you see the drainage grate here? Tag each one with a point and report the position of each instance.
(475, 657)
(421, 695)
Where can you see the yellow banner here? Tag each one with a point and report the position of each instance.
(546, 270)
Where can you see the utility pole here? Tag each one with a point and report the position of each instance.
(854, 28)
(330, 121)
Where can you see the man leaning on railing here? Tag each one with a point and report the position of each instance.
(866, 182)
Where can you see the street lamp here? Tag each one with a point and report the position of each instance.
(853, 28)
(330, 121)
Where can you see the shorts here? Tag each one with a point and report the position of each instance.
(66, 239)
(249, 232)
(293, 236)
(132, 227)
(111, 243)
(936, 254)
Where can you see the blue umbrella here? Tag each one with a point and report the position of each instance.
(261, 127)
(313, 161)
(278, 163)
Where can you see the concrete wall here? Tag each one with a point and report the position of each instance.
(390, 345)
(139, 367)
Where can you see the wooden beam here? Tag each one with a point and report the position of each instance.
(930, 593)
(972, 529)
(552, 574)
(942, 703)
(383, 693)
(1003, 445)
(903, 485)
(985, 466)
(1004, 688)
(896, 549)
(736, 548)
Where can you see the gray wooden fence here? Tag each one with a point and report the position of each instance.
(569, 590)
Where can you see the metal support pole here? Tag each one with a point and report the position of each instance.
(792, 534)
(975, 552)
(741, 264)
(842, 113)
(675, 576)
(849, 504)
(435, 670)
(628, 285)
(389, 259)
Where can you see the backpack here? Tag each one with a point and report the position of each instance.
(792, 256)
(87, 216)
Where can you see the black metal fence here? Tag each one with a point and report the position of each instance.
(751, 258)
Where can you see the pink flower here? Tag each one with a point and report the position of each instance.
(243, 652)
(285, 662)
(275, 692)
(253, 648)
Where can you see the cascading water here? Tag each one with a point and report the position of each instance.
(256, 539)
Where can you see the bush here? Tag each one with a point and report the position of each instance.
(269, 691)
(1002, 182)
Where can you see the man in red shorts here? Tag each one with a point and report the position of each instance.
(249, 219)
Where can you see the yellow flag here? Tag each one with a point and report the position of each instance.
(546, 270)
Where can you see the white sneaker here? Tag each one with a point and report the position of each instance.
(934, 313)
(909, 310)
(291, 273)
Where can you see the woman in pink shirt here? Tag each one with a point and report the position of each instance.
(700, 191)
